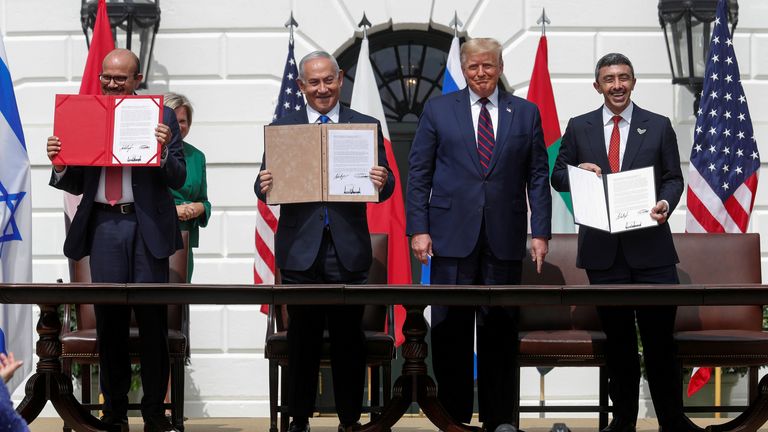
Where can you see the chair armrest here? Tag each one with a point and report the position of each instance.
(271, 325)
(66, 324)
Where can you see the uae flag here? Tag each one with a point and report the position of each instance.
(540, 92)
(389, 216)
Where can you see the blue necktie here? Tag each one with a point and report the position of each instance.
(485, 139)
(325, 119)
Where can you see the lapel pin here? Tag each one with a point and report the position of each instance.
(509, 109)
(641, 131)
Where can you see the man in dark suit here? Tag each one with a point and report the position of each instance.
(128, 226)
(621, 136)
(325, 242)
(476, 154)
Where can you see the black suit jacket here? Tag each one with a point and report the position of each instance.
(155, 208)
(300, 228)
(651, 142)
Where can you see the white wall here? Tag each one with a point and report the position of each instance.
(227, 56)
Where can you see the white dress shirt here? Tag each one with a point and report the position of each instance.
(314, 117)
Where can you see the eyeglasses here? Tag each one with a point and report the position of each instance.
(118, 79)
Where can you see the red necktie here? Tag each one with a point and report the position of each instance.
(613, 149)
(485, 137)
(113, 184)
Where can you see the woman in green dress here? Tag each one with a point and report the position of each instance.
(192, 204)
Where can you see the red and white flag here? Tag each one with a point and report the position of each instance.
(389, 216)
(699, 377)
(102, 43)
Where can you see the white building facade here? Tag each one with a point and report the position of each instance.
(227, 56)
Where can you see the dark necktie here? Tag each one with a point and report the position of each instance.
(325, 119)
(613, 148)
(113, 184)
(485, 138)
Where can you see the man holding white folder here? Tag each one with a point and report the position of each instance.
(621, 136)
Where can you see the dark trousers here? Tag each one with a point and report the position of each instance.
(305, 339)
(453, 332)
(656, 326)
(119, 255)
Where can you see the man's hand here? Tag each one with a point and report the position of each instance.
(539, 249)
(421, 245)
(378, 176)
(53, 147)
(8, 366)
(163, 134)
(265, 181)
(591, 167)
(660, 212)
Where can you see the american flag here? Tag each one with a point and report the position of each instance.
(722, 180)
(290, 100)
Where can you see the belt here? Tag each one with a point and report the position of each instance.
(126, 208)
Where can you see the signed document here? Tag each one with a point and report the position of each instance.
(134, 140)
(350, 158)
(614, 202)
(97, 130)
(321, 162)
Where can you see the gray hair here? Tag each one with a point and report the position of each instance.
(174, 100)
(480, 46)
(612, 59)
(315, 55)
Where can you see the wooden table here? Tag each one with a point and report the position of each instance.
(414, 385)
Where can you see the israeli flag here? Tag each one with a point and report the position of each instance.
(15, 221)
(453, 80)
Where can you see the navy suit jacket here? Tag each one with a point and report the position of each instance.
(656, 146)
(449, 197)
(155, 208)
(300, 228)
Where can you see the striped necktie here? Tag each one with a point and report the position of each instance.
(485, 139)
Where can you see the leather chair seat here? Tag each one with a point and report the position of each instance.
(82, 344)
(561, 346)
(727, 347)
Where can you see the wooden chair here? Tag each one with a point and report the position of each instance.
(380, 344)
(81, 345)
(706, 335)
(553, 336)
(729, 336)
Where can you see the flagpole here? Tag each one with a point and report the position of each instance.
(291, 24)
(543, 20)
(455, 23)
(365, 25)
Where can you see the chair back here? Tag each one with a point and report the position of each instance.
(374, 316)
(718, 259)
(80, 271)
(559, 269)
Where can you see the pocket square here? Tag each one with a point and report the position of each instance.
(641, 131)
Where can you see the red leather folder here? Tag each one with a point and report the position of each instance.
(85, 125)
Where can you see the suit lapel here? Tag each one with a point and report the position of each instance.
(596, 136)
(506, 113)
(345, 114)
(636, 138)
(464, 120)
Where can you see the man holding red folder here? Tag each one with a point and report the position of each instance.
(126, 222)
